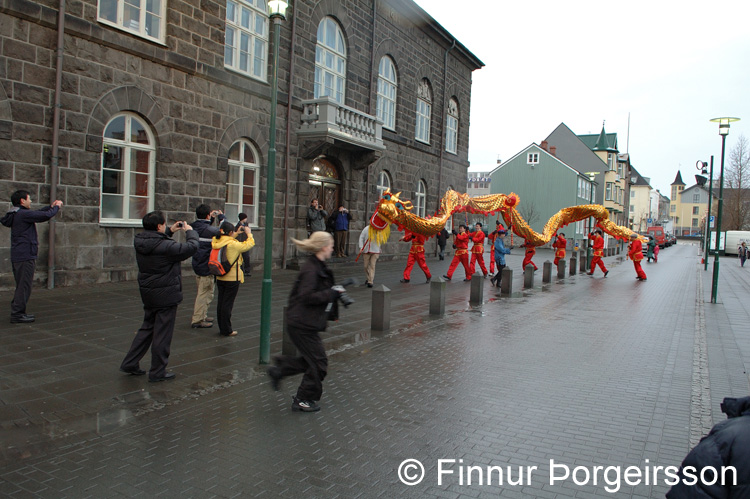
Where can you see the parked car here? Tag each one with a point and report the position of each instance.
(671, 239)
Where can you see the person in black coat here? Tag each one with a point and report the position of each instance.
(312, 303)
(727, 444)
(442, 238)
(160, 284)
(24, 247)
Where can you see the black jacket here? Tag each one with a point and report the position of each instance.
(159, 257)
(311, 296)
(24, 244)
(727, 444)
(206, 231)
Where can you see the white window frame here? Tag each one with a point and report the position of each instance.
(126, 172)
(246, 38)
(330, 61)
(424, 112)
(384, 183)
(242, 166)
(132, 26)
(451, 127)
(532, 158)
(420, 198)
(387, 91)
(608, 192)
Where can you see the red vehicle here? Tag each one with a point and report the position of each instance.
(658, 233)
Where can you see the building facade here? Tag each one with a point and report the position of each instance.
(166, 105)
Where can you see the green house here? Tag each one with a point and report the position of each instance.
(545, 185)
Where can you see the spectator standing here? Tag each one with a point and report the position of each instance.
(442, 239)
(24, 248)
(204, 226)
(370, 251)
(742, 252)
(229, 283)
(316, 217)
(160, 284)
(340, 225)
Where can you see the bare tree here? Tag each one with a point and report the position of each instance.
(529, 212)
(737, 186)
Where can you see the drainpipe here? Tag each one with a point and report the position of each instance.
(287, 153)
(55, 140)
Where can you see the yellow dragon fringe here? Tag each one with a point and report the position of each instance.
(392, 210)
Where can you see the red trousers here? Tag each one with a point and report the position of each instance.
(597, 260)
(419, 259)
(464, 259)
(492, 260)
(638, 270)
(477, 257)
(527, 261)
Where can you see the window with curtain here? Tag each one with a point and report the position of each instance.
(387, 85)
(451, 127)
(246, 37)
(424, 112)
(128, 160)
(330, 61)
(242, 182)
(142, 18)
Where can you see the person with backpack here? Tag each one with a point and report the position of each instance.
(204, 226)
(229, 282)
(24, 247)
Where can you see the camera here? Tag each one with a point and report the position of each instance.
(179, 225)
(344, 298)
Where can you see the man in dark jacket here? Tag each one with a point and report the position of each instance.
(204, 226)
(727, 444)
(340, 225)
(24, 247)
(160, 284)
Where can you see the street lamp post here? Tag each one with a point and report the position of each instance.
(701, 165)
(723, 131)
(276, 11)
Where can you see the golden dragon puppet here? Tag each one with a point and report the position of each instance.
(392, 210)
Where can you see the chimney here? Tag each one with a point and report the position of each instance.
(553, 151)
(544, 145)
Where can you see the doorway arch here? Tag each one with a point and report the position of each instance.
(325, 184)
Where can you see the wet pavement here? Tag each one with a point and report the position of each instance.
(585, 371)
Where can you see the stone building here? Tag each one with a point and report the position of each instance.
(166, 104)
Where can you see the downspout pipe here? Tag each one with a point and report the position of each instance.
(56, 140)
(287, 141)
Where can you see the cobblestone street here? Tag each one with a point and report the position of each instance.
(582, 372)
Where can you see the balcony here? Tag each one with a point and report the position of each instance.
(327, 124)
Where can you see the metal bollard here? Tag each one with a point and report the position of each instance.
(573, 263)
(582, 266)
(381, 309)
(547, 271)
(561, 269)
(287, 347)
(477, 289)
(437, 296)
(506, 284)
(528, 277)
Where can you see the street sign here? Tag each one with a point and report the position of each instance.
(711, 221)
(649, 221)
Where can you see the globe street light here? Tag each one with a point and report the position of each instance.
(276, 11)
(723, 131)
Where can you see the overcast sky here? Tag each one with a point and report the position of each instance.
(672, 65)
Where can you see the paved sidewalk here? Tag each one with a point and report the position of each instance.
(588, 371)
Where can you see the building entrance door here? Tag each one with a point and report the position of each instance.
(325, 184)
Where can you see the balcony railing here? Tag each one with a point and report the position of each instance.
(325, 118)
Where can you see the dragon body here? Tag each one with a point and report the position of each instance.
(392, 210)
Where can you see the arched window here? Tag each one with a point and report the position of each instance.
(242, 182)
(384, 183)
(387, 85)
(420, 199)
(246, 37)
(330, 61)
(451, 127)
(424, 111)
(128, 159)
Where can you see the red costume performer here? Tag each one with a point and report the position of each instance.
(416, 254)
(598, 252)
(530, 252)
(635, 253)
(461, 242)
(560, 244)
(477, 251)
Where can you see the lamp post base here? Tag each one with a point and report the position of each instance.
(715, 282)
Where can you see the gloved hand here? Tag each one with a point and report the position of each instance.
(338, 289)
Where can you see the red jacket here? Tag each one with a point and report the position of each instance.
(636, 250)
(417, 242)
(461, 241)
(560, 244)
(598, 244)
(478, 238)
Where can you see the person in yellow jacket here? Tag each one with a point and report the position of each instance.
(229, 283)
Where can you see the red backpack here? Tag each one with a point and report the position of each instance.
(218, 263)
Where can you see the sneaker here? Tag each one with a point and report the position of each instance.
(369, 284)
(201, 324)
(589, 273)
(605, 274)
(405, 281)
(467, 279)
(428, 280)
(275, 375)
(446, 278)
(304, 406)
(208, 319)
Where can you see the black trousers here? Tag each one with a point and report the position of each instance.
(23, 272)
(155, 332)
(312, 361)
(227, 293)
